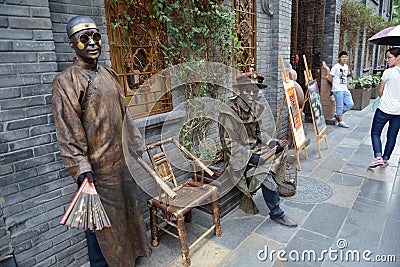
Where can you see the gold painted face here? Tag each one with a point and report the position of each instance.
(80, 46)
(85, 38)
(249, 93)
(87, 44)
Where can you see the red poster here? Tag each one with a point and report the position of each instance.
(294, 113)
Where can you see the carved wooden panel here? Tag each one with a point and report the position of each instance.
(307, 36)
(246, 27)
(135, 38)
(307, 39)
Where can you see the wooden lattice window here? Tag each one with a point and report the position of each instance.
(307, 37)
(135, 38)
(246, 27)
(367, 60)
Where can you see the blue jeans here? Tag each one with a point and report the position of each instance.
(344, 102)
(379, 121)
(96, 258)
(272, 200)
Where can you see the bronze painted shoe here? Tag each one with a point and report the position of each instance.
(286, 221)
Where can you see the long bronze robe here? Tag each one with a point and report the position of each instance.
(88, 109)
(243, 131)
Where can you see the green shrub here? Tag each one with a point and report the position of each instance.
(376, 79)
(364, 83)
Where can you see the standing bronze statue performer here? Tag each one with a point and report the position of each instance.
(89, 111)
(243, 132)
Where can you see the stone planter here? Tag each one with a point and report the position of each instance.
(374, 92)
(361, 98)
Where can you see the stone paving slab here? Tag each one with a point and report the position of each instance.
(332, 264)
(332, 163)
(304, 242)
(365, 148)
(368, 213)
(209, 254)
(326, 223)
(279, 233)
(360, 237)
(396, 186)
(376, 190)
(394, 207)
(307, 166)
(355, 170)
(390, 244)
(236, 227)
(353, 141)
(345, 179)
(302, 206)
(254, 251)
(359, 160)
(387, 174)
(343, 196)
(322, 173)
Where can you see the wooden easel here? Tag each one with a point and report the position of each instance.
(308, 78)
(298, 146)
(319, 136)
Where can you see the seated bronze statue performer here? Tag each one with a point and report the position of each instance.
(243, 135)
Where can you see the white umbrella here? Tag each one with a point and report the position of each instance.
(388, 36)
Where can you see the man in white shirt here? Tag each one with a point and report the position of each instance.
(338, 78)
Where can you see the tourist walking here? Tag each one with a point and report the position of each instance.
(388, 110)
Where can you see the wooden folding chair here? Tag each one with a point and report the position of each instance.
(190, 193)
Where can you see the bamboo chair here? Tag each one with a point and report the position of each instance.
(190, 193)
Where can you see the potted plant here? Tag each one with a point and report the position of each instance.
(361, 93)
(376, 80)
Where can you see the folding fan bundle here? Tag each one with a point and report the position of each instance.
(86, 211)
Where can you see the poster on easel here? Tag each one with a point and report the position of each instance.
(294, 113)
(313, 98)
(316, 107)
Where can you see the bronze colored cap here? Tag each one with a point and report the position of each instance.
(79, 23)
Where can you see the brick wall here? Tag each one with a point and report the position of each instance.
(35, 188)
(273, 40)
(331, 32)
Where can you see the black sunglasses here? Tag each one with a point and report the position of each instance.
(250, 89)
(84, 38)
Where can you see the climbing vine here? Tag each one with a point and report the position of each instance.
(198, 31)
(358, 20)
